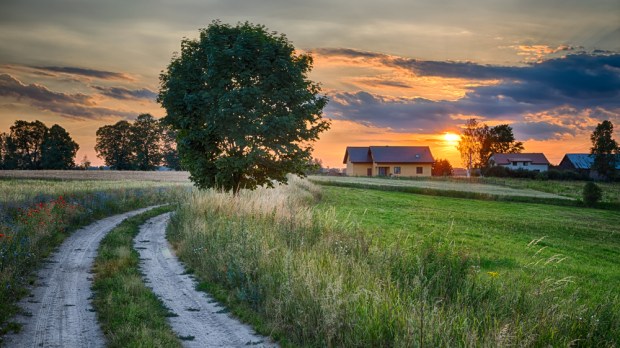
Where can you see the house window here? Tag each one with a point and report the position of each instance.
(419, 170)
(514, 164)
(525, 164)
(396, 170)
(383, 171)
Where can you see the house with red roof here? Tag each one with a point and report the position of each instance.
(536, 162)
(388, 161)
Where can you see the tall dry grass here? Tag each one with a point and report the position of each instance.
(312, 280)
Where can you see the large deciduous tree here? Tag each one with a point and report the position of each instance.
(245, 112)
(58, 150)
(115, 146)
(146, 136)
(605, 150)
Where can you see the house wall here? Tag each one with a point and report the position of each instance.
(358, 169)
(539, 167)
(406, 169)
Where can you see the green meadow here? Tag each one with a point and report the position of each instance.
(531, 242)
(339, 266)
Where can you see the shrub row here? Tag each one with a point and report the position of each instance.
(551, 174)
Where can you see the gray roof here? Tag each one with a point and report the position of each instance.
(389, 154)
(401, 154)
(357, 154)
(506, 158)
(585, 160)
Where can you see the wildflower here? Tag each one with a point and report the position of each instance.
(2, 235)
(493, 274)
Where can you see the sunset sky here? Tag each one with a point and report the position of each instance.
(396, 72)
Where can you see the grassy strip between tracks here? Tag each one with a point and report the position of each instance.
(128, 311)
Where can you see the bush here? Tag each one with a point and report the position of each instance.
(557, 174)
(591, 194)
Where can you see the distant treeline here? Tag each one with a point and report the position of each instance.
(144, 144)
(32, 145)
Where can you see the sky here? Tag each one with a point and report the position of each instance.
(396, 72)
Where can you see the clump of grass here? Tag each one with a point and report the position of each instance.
(309, 279)
(129, 313)
(34, 224)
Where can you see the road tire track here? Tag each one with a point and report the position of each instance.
(59, 312)
(201, 322)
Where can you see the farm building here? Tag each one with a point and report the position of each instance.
(388, 161)
(527, 161)
(581, 162)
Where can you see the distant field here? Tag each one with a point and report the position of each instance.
(573, 189)
(444, 185)
(34, 190)
(168, 176)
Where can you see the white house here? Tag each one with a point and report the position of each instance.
(527, 161)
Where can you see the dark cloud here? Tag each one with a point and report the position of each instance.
(100, 74)
(68, 105)
(399, 114)
(540, 130)
(12, 87)
(124, 93)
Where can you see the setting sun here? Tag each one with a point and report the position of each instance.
(451, 137)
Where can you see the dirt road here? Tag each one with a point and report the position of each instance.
(59, 311)
(201, 322)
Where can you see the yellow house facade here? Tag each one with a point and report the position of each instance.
(398, 161)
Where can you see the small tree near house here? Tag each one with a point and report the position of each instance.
(441, 167)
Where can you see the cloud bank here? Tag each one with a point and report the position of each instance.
(76, 105)
(584, 86)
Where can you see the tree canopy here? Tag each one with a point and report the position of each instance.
(442, 167)
(58, 150)
(243, 108)
(142, 145)
(146, 137)
(605, 150)
(31, 145)
(27, 138)
(115, 146)
(479, 141)
(469, 145)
